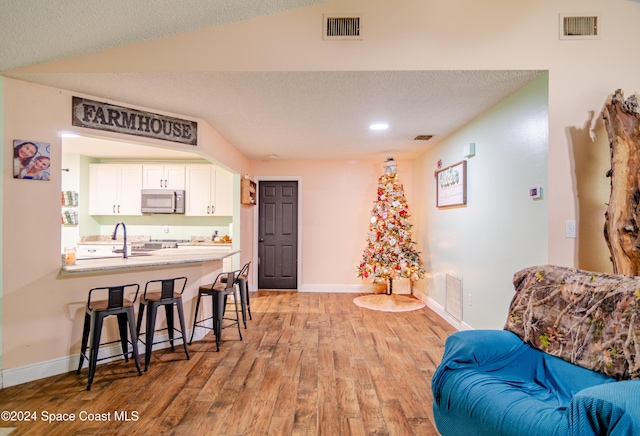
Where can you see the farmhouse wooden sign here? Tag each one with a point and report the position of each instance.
(103, 116)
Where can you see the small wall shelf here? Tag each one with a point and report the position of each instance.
(69, 213)
(69, 198)
(248, 192)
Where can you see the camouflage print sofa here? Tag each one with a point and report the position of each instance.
(565, 363)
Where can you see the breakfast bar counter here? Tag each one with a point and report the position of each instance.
(158, 258)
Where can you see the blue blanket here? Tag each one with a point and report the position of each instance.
(491, 383)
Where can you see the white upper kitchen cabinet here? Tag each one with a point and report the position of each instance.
(209, 191)
(114, 189)
(159, 176)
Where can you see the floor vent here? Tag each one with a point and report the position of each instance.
(342, 27)
(453, 302)
(578, 26)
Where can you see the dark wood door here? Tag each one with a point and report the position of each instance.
(278, 235)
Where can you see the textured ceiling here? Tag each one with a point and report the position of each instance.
(34, 31)
(320, 115)
(294, 115)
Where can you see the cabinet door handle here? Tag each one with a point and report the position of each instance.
(114, 208)
(213, 209)
(165, 183)
(161, 183)
(118, 208)
(208, 210)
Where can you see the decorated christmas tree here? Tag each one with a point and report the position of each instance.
(390, 252)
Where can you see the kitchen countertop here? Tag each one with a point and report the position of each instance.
(109, 241)
(180, 244)
(165, 257)
(204, 243)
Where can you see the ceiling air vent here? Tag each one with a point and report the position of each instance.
(578, 26)
(423, 137)
(342, 27)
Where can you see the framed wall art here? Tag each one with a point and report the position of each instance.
(451, 185)
(31, 160)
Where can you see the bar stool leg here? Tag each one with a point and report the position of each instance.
(96, 325)
(246, 291)
(168, 310)
(243, 302)
(195, 318)
(150, 327)
(124, 336)
(134, 338)
(218, 313)
(181, 320)
(140, 316)
(237, 318)
(85, 340)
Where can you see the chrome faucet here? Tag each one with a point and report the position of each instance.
(124, 246)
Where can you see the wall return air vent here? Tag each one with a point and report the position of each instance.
(579, 26)
(343, 27)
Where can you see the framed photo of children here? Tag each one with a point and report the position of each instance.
(31, 160)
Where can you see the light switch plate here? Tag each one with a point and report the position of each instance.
(570, 229)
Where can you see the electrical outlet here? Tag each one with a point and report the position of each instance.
(469, 299)
(570, 229)
(165, 228)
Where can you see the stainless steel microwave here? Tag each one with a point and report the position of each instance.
(162, 201)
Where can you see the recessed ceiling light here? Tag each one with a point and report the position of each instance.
(379, 126)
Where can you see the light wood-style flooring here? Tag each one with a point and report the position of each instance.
(309, 364)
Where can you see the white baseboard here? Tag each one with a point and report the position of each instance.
(336, 289)
(37, 371)
(439, 310)
(344, 289)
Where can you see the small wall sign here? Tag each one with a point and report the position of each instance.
(451, 185)
(103, 116)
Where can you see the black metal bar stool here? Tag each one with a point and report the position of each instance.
(95, 313)
(219, 290)
(243, 284)
(168, 296)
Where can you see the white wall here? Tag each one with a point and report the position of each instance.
(400, 35)
(336, 201)
(501, 229)
(1, 218)
(436, 35)
(36, 298)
